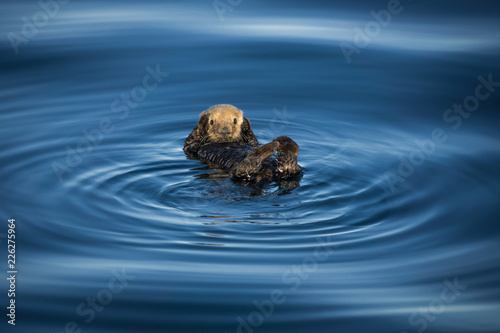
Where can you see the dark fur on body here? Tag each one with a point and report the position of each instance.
(233, 147)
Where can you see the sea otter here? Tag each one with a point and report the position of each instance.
(225, 138)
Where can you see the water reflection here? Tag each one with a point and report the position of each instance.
(204, 248)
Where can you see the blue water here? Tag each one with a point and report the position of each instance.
(392, 228)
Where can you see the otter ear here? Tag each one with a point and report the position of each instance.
(198, 135)
(248, 136)
(203, 124)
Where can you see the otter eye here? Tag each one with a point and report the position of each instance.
(234, 120)
(211, 121)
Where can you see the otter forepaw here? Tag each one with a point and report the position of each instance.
(264, 151)
(253, 161)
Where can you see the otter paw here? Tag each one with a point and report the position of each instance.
(287, 147)
(253, 161)
(264, 151)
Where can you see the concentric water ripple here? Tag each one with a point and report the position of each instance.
(349, 249)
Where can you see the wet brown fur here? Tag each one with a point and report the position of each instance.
(225, 138)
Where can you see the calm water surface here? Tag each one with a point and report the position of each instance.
(393, 227)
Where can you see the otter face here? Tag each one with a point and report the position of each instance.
(223, 123)
(220, 123)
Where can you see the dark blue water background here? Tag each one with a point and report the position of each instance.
(363, 243)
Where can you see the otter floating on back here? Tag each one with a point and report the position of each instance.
(225, 138)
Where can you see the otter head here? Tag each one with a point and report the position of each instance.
(223, 123)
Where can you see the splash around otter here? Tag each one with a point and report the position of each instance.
(224, 137)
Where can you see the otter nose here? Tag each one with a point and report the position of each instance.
(224, 131)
